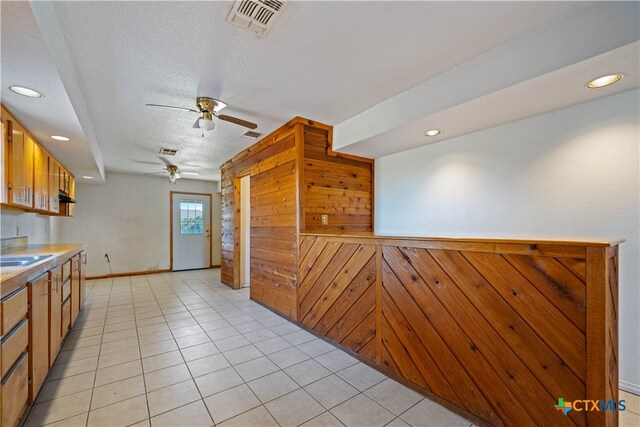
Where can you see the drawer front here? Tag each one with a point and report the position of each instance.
(15, 392)
(66, 290)
(13, 345)
(66, 270)
(14, 309)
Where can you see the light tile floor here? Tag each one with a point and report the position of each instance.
(181, 349)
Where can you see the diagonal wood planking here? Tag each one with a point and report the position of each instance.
(337, 293)
(470, 307)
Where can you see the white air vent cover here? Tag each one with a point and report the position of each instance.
(256, 15)
(252, 134)
(168, 152)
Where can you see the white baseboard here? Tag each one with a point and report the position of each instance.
(630, 387)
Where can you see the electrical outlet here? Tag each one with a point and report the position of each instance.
(325, 219)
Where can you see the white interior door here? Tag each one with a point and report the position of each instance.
(191, 231)
(245, 231)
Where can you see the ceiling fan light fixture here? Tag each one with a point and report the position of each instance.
(206, 124)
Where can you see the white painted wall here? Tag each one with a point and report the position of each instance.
(128, 218)
(570, 173)
(16, 223)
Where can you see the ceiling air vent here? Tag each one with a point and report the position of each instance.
(252, 134)
(256, 15)
(168, 152)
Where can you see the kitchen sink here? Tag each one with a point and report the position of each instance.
(21, 261)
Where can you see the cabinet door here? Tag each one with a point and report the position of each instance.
(75, 287)
(83, 277)
(55, 315)
(16, 179)
(27, 168)
(40, 178)
(72, 194)
(14, 393)
(4, 165)
(54, 185)
(39, 337)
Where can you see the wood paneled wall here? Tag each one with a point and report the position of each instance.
(272, 166)
(337, 185)
(497, 329)
(295, 177)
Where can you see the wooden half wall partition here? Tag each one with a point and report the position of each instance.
(295, 179)
(498, 330)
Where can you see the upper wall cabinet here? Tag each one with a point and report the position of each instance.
(32, 178)
(3, 155)
(40, 178)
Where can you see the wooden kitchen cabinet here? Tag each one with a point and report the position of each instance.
(14, 392)
(21, 173)
(14, 347)
(4, 150)
(54, 185)
(55, 314)
(76, 263)
(35, 318)
(40, 178)
(83, 278)
(30, 177)
(39, 335)
(67, 208)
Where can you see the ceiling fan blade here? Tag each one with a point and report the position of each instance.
(155, 173)
(148, 163)
(166, 162)
(172, 107)
(196, 125)
(237, 121)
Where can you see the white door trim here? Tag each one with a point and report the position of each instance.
(210, 195)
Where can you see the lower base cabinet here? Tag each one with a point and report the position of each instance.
(55, 314)
(34, 321)
(39, 333)
(15, 392)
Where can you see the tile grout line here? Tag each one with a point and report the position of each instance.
(95, 377)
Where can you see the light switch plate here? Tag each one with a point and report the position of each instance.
(325, 219)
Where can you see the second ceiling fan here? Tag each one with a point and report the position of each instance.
(209, 108)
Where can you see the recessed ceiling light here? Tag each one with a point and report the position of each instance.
(59, 138)
(25, 91)
(607, 80)
(189, 173)
(433, 132)
(87, 177)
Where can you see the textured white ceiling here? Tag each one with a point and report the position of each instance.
(324, 60)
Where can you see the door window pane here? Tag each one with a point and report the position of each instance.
(190, 217)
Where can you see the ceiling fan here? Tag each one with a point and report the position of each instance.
(174, 172)
(209, 108)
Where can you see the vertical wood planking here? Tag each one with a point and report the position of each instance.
(600, 348)
(282, 203)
